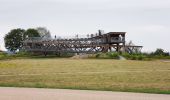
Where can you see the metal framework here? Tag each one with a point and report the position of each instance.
(99, 43)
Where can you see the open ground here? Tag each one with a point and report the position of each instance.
(88, 74)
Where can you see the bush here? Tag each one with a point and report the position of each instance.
(108, 55)
(97, 55)
(141, 57)
(113, 55)
(135, 56)
(3, 56)
(160, 53)
(22, 54)
(126, 55)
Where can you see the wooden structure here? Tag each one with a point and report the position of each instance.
(93, 44)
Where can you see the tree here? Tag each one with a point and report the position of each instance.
(160, 51)
(43, 32)
(31, 33)
(132, 50)
(13, 40)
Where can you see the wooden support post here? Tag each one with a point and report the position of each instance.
(117, 47)
(123, 47)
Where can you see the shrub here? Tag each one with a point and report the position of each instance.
(22, 54)
(113, 55)
(126, 55)
(97, 55)
(133, 57)
(141, 57)
(3, 56)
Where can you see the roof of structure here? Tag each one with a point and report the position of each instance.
(116, 33)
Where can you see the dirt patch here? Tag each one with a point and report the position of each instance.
(80, 56)
(166, 61)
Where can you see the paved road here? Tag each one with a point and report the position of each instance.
(62, 94)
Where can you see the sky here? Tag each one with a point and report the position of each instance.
(147, 22)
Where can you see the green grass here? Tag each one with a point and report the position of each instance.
(89, 74)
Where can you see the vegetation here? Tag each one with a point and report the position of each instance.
(2, 55)
(31, 33)
(14, 39)
(25, 55)
(93, 74)
(43, 32)
(158, 54)
(108, 55)
(102, 73)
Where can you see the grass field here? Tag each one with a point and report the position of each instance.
(91, 74)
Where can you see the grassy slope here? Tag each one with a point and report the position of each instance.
(112, 75)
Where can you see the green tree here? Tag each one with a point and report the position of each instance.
(43, 32)
(13, 40)
(159, 51)
(31, 33)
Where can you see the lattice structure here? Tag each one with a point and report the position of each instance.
(91, 44)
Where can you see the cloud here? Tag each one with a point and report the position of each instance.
(150, 36)
(142, 19)
(152, 28)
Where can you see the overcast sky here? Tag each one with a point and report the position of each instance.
(147, 22)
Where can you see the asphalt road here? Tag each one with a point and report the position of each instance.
(64, 94)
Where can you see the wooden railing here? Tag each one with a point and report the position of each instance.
(117, 39)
